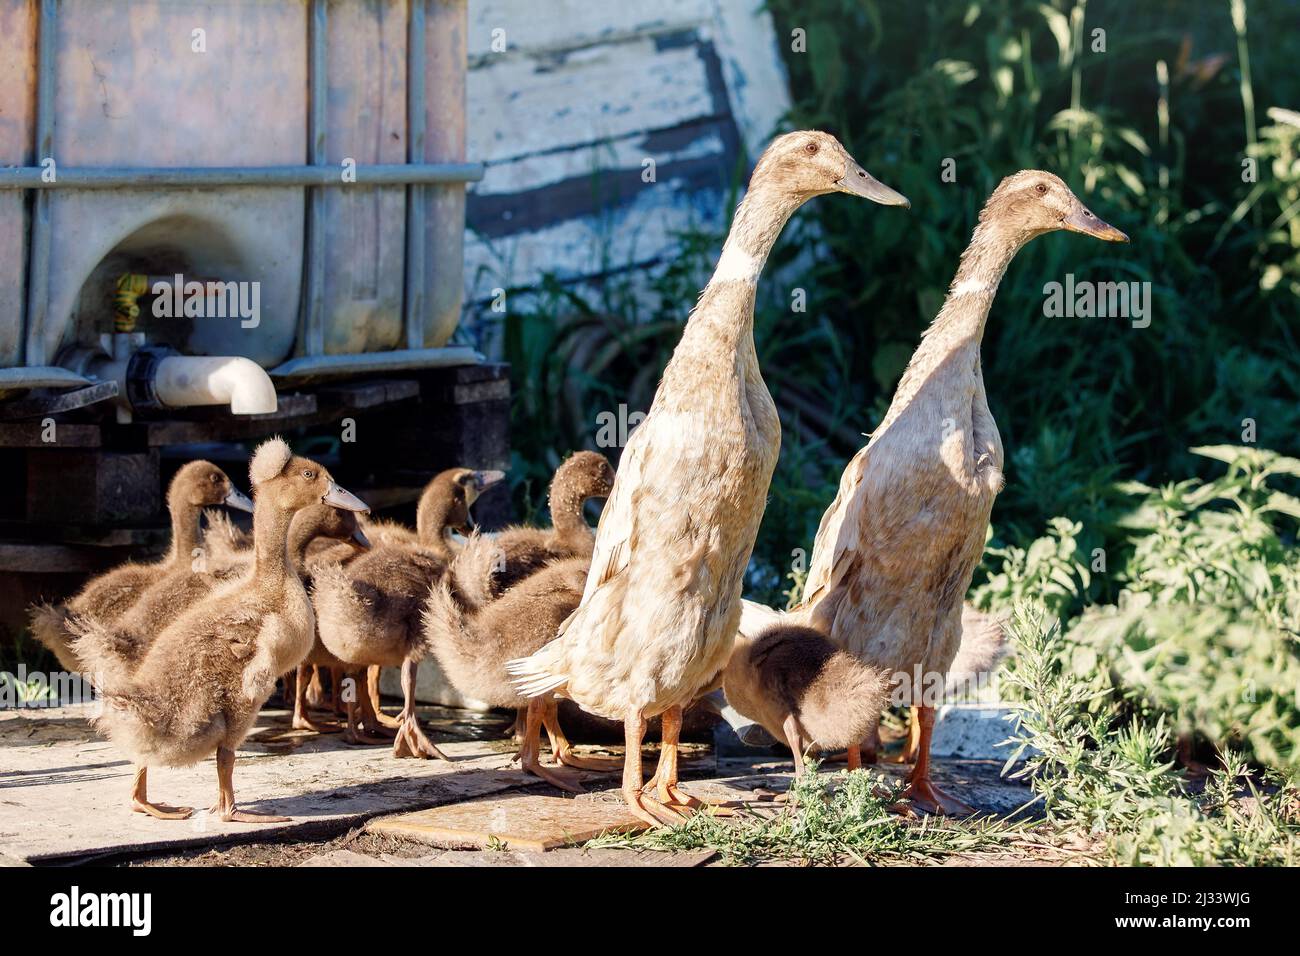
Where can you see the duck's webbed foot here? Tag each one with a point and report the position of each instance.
(372, 710)
(536, 714)
(159, 811)
(924, 795)
(412, 742)
(562, 750)
(225, 805)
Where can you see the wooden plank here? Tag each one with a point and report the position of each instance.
(32, 435)
(371, 394)
(531, 27)
(522, 106)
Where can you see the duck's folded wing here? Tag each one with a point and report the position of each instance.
(836, 547)
(617, 523)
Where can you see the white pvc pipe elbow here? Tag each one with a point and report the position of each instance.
(185, 380)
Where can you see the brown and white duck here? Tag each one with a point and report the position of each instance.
(369, 610)
(896, 550)
(659, 613)
(230, 647)
(195, 486)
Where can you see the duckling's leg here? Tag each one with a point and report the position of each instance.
(225, 807)
(411, 741)
(642, 805)
(794, 737)
(563, 750)
(315, 691)
(301, 718)
(871, 746)
(529, 753)
(161, 811)
(336, 701)
(355, 733)
(376, 705)
(920, 789)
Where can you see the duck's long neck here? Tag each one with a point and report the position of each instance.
(431, 525)
(304, 528)
(759, 219)
(951, 344)
(186, 535)
(270, 544)
(566, 512)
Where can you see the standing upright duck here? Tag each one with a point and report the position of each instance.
(662, 601)
(896, 550)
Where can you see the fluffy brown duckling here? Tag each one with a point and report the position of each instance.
(472, 647)
(195, 486)
(519, 551)
(802, 689)
(230, 646)
(369, 611)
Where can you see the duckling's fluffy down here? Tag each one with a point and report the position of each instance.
(269, 460)
(49, 625)
(836, 698)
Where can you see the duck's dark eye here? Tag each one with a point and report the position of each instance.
(308, 474)
(811, 148)
(214, 478)
(1041, 189)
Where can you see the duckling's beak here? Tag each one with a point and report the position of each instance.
(1082, 220)
(360, 540)
(486, 479)
(337, 497)
(237, 499)
(858, 182)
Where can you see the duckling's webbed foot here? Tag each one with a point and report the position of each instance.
(411, 740)
(529, 755)
(302, 720)
(159, 811)
(225, 805)
(372, 706)
(562, 750)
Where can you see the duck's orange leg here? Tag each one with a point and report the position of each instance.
(356, 732)
(562, 750)
(160, 811)
(375, 706)
(225, 806)
(530, 751)
(641, 804)
(301, 718)
(920, 789)
(411, 740)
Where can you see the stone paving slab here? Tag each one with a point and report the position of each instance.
(64, 790)
(519, 821)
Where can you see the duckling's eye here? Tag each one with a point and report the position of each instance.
(810, 148)
(215, 479)
(308, 474)
(1041, 189)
